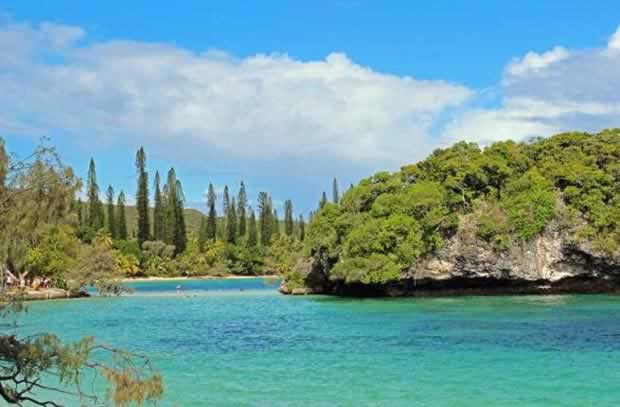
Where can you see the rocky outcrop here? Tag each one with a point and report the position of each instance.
(46, 294)
(553, 262)
(552, 257)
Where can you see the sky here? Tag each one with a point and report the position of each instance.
(287, 95)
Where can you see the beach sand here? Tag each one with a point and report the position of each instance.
(230, 277)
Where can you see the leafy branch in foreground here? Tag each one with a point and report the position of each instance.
(25, 363)
(37, 219)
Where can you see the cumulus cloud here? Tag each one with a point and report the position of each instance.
(533, 62)
(274, 107)
(614, 41)
(549, 92)
(265, 105)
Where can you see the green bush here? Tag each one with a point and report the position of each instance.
(511, 191)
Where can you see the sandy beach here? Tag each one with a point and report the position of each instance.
(230, 277)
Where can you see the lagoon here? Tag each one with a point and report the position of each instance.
(239, 342)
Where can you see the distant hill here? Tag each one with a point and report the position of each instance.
(192, 219)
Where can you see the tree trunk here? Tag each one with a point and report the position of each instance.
(22, 279)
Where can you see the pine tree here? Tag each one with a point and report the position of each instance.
(142, 198)
(302, 228)
(170, 217)
(164, 211)
(226, 201)
(158, 210)
(95, 207)
(276, 224)
(323, 200)
(335, 195)
(111, 218)
(180, 230)
(212, 219)
(288, 218)
(242, 203)
(231, 222)
(121, 221)
(252, 231)
(265, 220)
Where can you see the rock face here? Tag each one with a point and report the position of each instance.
(49, 294)
(550, 257)
(551, 263)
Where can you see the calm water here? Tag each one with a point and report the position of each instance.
(238, 342)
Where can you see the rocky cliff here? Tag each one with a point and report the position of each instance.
(553, 262)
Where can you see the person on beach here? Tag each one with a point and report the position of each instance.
(178, 289)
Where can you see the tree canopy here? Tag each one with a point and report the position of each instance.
(41, 225)
(509, 191)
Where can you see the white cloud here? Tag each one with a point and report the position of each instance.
(614, 41)
(265, 105)
(282, 110)
(488, 126)
(533, 62)
(546, 93)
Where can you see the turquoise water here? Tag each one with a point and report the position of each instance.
(238, 342)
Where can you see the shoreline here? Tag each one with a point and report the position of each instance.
(45, 294)
(183, 278)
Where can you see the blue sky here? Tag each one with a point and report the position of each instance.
(289, 94)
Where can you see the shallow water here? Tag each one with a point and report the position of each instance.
(238, 342)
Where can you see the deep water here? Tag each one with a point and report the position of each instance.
(238, 342)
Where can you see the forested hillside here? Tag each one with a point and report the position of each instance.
(192, 219)
(506, 194)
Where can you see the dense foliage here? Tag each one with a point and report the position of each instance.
(41, 222)
(49, 238)
(507, 192)
(49, 233)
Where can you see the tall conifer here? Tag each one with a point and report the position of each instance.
(276, 224)
(335, 194)
(225, 201)
(142, 198)
(158, 210)
(242, 203)
(110, 210)
(95, 207)
(265, 218)
(180, 231)
(231, 222)
(170, 217)
(252, 231)
(289, 223)
(121, 220)
(323, 200)
(212, 217)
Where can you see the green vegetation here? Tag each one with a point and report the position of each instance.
(142, 197)
(165, 240)
(504, 194)
(49, 233)
(42, 223)
(507, 193)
